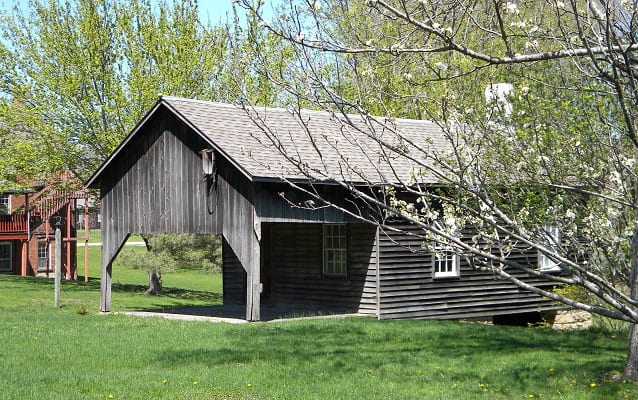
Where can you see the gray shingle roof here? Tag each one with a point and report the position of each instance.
(273, 143)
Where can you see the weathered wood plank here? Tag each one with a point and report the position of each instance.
(407, 288)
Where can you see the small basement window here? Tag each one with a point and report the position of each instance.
(335, 258)
(445, 263)
(550, 238)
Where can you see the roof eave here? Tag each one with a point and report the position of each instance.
(94, 180)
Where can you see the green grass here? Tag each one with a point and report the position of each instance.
(61, 354)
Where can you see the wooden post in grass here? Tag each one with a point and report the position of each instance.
(58, 266)
(56, 221)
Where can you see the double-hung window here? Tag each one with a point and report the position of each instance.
(43, 257)
(445, 263)
(550, 238)
(5, 204)
(6, 261)
(335, 257)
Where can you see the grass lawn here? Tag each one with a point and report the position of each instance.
(69, 354)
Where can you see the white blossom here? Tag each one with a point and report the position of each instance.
(512, 7)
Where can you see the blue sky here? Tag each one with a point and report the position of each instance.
(215, 10)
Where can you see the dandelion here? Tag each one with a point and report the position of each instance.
(551, 370)
(592, 385)
(110, 396)
(531, 396)
(250, 385)
(164, 381)
(195, 383)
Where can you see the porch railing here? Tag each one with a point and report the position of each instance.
(13, 223)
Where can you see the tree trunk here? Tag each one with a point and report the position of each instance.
(631, 367)
(154, 282)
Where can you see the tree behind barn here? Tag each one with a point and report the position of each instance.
(77, 76)
(558, 150)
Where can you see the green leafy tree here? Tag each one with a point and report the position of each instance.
(81, 74)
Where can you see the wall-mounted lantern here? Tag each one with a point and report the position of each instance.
(208, 162)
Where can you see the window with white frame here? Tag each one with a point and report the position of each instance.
(550, 238)
(5, 204)
(445, 263)
(6, 259)
(43, 256)
(335, 257)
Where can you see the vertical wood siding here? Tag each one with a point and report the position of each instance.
(157, 186)
(242, 231)
(295, 254)
(234, 276)
(407, 289)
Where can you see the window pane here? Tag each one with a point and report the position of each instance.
(334, 249)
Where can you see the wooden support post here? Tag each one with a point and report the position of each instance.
(105, 288)
(67, 246)
(25, 258)
(48, 242)
(377, 250)
(58, 267)
(253, 281)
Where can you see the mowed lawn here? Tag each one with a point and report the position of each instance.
(75, 353)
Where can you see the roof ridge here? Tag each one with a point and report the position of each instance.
(286, 110)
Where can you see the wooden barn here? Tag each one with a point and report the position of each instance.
(192, 166)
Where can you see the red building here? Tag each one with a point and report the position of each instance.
(27, 237)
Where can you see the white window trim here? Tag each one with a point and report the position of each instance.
(10, 245)
(448, 255)
(343, 269)
(550, 238)
(8, 196)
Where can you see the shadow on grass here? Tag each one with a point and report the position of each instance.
(94, 285)
(500, 355)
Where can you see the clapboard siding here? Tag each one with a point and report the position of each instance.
(407, 288)
(295, 255)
